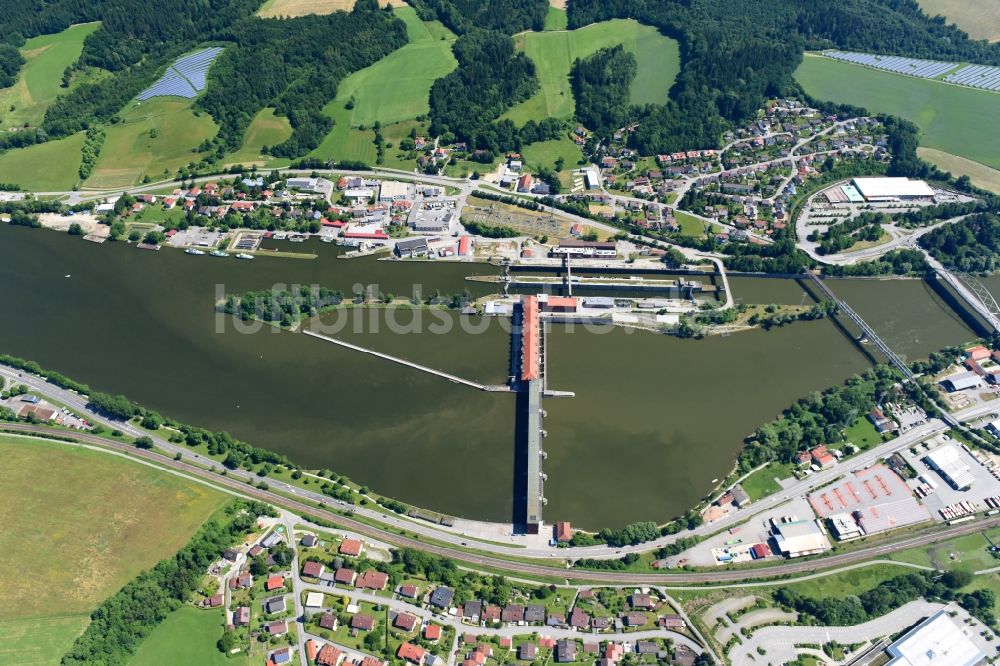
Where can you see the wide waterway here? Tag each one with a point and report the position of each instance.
(655, 418)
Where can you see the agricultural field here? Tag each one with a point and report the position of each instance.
(46, 167)
(154, 139)
(266, 129)
(39, 82)
(393, 90)
(187, 636)
(293, 8)
(952, 119)
(554, 52)
(980, 174)
(979, 18)
(114, 519)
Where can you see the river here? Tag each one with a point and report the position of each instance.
(655, 418)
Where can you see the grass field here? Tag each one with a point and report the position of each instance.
(38, 84)
(187, 636)
(545, 154)
(764, 482)
(980, 174)
(79, 524)
(393, 90)
(863, 434)
(292, 8)
(556, 19)
(154, 139)
(39, 641)
(266, 129)
(956, 120)
(46, 167)
(979, 18)
(848, 583)
(554, 52)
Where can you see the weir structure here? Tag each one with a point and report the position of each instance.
(528, 380)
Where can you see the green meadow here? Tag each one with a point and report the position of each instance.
(952, 119)
(556, 19)
(266, 129)
(187, 636)
(155, 138)
(393, 90)
(47, 167)
(39, 82)
(554, 52)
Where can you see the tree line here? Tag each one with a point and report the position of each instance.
(972, 245)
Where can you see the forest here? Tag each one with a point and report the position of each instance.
(601, 89)
(972, 245)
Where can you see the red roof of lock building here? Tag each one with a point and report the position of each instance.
(530, 343)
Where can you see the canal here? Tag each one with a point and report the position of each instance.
(654, 421)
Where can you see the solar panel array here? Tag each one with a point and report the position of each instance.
(184, 78)
(977, 76)
(924, 69)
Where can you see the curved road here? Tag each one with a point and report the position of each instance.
(932, 535)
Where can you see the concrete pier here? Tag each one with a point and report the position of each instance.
(494, 388)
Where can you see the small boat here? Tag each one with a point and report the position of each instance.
(280, 235)
(242, 255)
(327, 239)
(219, 253)
(192, 250)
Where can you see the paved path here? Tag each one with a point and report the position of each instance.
(754, 618)
(779, 642)
(730, 605)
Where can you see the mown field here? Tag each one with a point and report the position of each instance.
(38, 84)
(546, 153)
(955, 120)
(187, 636)
(979, 18)
(78, 524)
(554, 52)
(980, 174)
(556, 19)
(47, 167)
(393, 90)
(293, 8)
(266, 129)
(155, 138)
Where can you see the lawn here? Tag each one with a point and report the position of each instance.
(952, 119)
(38, 84)
(763, 482)
(689, 224)
(979, 18)
(395, 89)
(980, 174)
(863, 434)
(39, 641)
(554, 52)
(187, 636)
(545, 154)
(45, 167)
(266, 129)
(155, 138)
(79, 524)
(968, 553)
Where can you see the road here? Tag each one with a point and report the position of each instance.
(481, 559)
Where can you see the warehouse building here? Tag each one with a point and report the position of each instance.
(937, 641)
(961, 381)
(892, 189)
(798, 538)
(947, 461)
(393, 190)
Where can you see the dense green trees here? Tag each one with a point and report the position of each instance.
(491, 77)
(972, 245)
(10, 64)
(601, 89)
(113, 406)
(506, 16)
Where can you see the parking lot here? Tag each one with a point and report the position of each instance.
(196, 237)
(985, 485)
